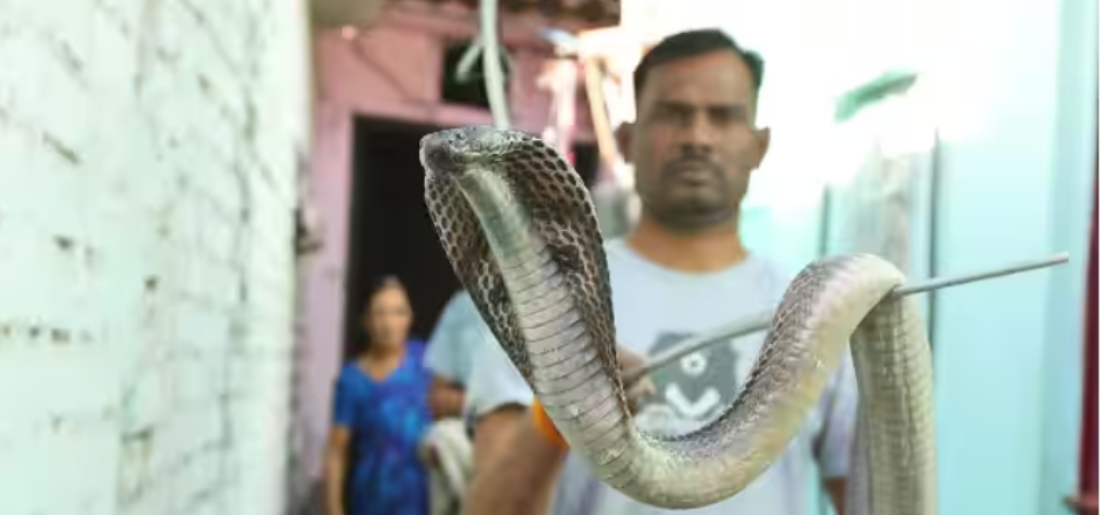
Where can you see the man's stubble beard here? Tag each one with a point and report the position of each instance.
(689, 221)
(690, 216)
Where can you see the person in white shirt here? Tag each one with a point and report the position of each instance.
(450, 348)
(681, 271)
(446, 449)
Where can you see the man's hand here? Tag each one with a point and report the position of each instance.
(835, 488)
(642, 388)
(445, 399)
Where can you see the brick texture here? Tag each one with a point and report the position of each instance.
(150, 157)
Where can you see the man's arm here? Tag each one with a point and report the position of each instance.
(448, 356)
(835, 488)
(516, 466)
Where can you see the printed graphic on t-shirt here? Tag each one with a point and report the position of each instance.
(695, 388)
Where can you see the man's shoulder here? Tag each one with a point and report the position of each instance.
(615, 246)
(616, 252)
(770, 267)
(457, 311)
(460, 302)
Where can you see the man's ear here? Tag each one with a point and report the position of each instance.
(763, 140)
(624, 137)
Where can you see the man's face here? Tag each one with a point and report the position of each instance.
(695, 144)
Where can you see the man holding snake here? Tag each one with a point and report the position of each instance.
(681, 271)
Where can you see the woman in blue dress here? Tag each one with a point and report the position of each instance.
(380, 415)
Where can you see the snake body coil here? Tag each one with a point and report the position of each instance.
(519, 228)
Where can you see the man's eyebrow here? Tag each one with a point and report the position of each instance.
(674, 104)
(677, 104)
(735, 109)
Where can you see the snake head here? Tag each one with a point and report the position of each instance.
(455, 151)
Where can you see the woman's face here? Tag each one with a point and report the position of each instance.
(388, 318)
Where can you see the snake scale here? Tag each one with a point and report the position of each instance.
(520, 231)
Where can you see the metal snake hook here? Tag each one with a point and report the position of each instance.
(761, 321)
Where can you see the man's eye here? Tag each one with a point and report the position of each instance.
(666, 114)
(726, 116)
(673, 114)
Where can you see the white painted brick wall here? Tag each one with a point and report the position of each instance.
(149, 153)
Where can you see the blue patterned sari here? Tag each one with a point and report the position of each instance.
(387, 419)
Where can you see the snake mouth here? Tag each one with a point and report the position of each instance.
(438, 155)
(448, 152)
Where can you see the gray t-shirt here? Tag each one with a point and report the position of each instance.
(655, 307)
(455, 339)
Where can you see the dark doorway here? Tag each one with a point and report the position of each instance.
(390, 230)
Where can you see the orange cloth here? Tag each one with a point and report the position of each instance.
(546, 426)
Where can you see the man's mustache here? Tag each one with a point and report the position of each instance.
(674, 168)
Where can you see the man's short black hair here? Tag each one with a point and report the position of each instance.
(693, 43)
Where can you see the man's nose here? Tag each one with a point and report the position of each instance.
(697, 136)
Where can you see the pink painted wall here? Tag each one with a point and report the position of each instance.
(390, 70)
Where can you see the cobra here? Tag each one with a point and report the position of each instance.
(520, 231)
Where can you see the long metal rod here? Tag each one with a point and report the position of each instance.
(762, 321)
